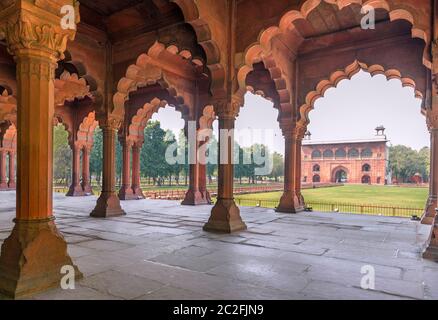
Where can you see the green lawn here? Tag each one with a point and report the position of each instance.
(356, 194)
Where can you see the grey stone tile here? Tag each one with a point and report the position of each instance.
(121, 285)
(159, 251)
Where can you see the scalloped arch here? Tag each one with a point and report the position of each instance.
(191, 14)
(143, 115)
(284, 107)
(345, 74)
(10, 138)
(207, 118)
(8, 107)
(85, 135)
(69, 87)
(141, 74)
(76, 83)
(262, 48)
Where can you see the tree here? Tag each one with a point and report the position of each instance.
(277, 167)
(424, 157)
(62, 155)
(406, 162)
(153, 162)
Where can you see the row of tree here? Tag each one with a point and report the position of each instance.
(153, 164)
(406, 163)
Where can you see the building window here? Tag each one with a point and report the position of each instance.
(366, 168)
(367, 153)
(340, 153)
(316, 178)
(328, 153)
(316, 168)
(305, 179)
(316, 154)
(353, 153)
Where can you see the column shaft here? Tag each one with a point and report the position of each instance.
(136, 183)
(197, 192)
(3, 177)
(108, 203)
(11, 183)
(33, 256)
(86, 179)
(76, 188)
(431, 204)
(291, 200)
(225, 215)
(126, 192)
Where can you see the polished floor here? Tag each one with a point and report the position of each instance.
(159, 251)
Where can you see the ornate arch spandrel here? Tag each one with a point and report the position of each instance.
(148, 70)
(205, 39)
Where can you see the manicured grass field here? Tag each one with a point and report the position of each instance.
(356, 194)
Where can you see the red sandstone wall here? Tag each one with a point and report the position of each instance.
(353, 167)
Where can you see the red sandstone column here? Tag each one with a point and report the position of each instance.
(125, 192)
(33, 255)
(3, 179)
(431, 251)
(86, 180)
(11, 183)
(76, 188)
(298, 177)
(202, 176)
(108, 204)
(431, 204)
(197, 193)
(136, 183)
(225, 215)
(291, 200)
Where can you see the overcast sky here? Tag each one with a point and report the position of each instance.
(350, 111)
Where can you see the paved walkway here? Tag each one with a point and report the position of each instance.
(159, 251)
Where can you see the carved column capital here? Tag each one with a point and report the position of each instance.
(432, 118)
(299, 132)
(34, 27)
(109, 122)
(227, 109)
(292, 130)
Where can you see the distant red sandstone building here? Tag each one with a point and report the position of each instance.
(350, 161)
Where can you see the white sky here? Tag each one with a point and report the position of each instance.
(350, 111)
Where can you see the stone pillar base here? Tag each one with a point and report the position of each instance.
(429, 212)
(290, 203)
(126, 194)
(431, 253)
(195, 198)
(12, 186)
(88, 190)
(108, 205)
(4, 186)
(225, 217)
(31, 259)
(138, 193)
(75, 191)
